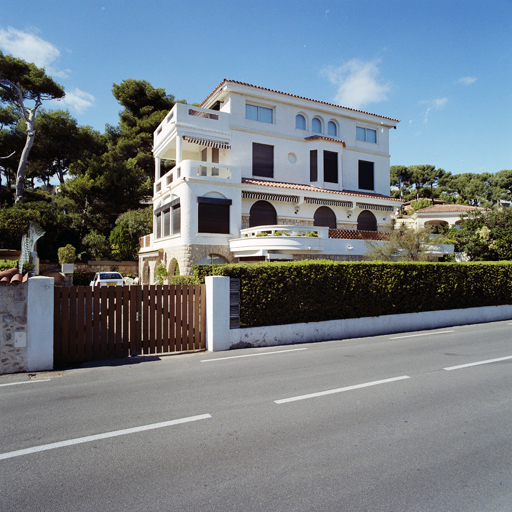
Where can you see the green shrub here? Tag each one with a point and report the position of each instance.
(313, 291)
(27, 268)
(185, 280)
(66, 254)
(83, 278)
(8, 264)
(161, 273)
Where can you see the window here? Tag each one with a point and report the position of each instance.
(330, 167)
(256, 113)
(262, 213)
(366, 134)
(366, 221)
(313, 165)
(262, 160)
(366, 179)
(167, 219)
(316, 125)
(300, 122)
(324, 216)
(212, 259)
(332, 129)
(213, 215)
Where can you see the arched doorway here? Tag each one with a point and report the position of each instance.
(366, 221)
(324, 216)
(262, 213)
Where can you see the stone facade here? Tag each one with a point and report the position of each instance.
(13, 328)
(186, 256)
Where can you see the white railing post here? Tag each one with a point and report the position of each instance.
(217, 313)
(40, 323)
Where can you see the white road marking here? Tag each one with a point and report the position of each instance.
(340, 390)
(24, 382)
(468, 365)
(252, 355)
(98, 437)
(422, 334)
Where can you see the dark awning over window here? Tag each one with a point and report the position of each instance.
(207, 142)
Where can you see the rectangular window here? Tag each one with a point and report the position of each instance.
(166, 222)
(330, 167)
(256, 113)
(366, 175)
(313, 165)
(158, 225)
(176, 219)
(262, 160)
(213, 215)
(366, 134)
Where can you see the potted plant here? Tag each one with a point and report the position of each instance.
(67, 257)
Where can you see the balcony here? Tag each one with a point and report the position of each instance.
(279, 242)
(197, 170)
(189, 119)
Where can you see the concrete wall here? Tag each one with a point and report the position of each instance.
(26, 326)
(219, 338)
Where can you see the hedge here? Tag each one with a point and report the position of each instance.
(313, 291)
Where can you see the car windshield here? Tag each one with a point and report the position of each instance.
(110, 275)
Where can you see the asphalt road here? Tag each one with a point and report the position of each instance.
(391, 423)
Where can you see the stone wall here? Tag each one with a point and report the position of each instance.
(13, 328)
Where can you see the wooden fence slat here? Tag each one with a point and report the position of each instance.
(88, 323)
(96, 328)
(184, 299)
(118, 332)
(159, 319)
(72, 323)
(103, 322)
(190, 317)
(57, 325)
(126, 321)
(65, 323)
(165, 319)
(145, 319)
(80, 323)
(172, 318)
(203, 316)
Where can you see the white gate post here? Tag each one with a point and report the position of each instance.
(217, 313)
(40, 323)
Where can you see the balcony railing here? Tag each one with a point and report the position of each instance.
(198, 170)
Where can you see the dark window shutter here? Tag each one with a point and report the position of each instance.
(366, 175)
(158, 225)
(176, 220)
(213, 218)
(330, 167)
(262, 213)
(324, 216)
(166, 222)
(366, 221)
(262, 160)
(313, 165)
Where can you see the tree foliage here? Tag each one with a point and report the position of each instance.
(21, 81)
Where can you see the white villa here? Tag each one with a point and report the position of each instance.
(438, 215)
(255, 174)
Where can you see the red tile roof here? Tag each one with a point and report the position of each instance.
(449, 208)
(225, 81)
(12, 276)
(309, 188)
(328, 139)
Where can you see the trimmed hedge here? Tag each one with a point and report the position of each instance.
(313, 291)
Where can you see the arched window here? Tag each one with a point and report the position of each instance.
(366, 221)
(332, 129)
(300, 122)
(212, 259)
(262, 213)
(316, 125)
(324, 216)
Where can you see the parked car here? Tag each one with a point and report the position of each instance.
(107, 279)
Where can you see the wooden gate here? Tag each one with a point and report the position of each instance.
(120, 321)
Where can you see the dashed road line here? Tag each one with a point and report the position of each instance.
(477, 363)
(422, 334)
(253, 355)
(340, 390)
(24, 382)
(99, 437)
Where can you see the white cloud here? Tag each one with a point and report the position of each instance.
(28, 46)
(358, 83)
(467, 80)
(433, 106)
(77, 100)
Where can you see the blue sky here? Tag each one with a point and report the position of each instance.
(443, 67)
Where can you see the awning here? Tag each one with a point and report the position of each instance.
(208, 143)
(378, 207)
